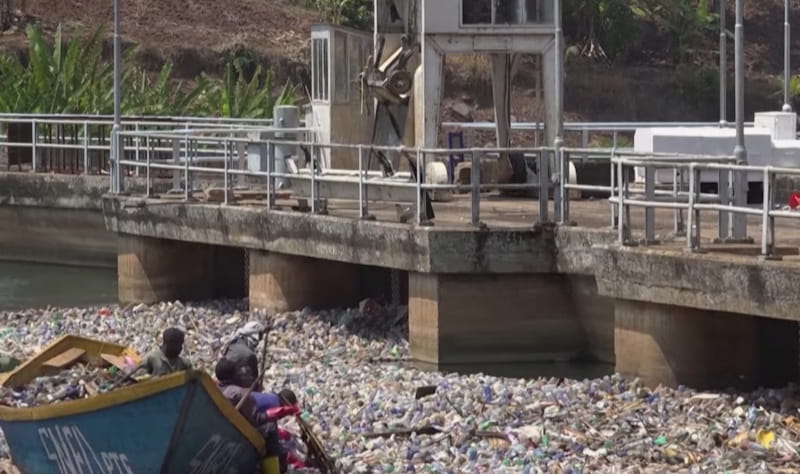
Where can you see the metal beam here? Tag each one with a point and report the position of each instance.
(116, 176)
(739, 221)
(723, 64)
(787, 60)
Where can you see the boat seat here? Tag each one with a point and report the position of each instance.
(65, 359)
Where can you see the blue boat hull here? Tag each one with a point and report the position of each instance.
(176, 424)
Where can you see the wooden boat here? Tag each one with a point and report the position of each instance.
(179, 423)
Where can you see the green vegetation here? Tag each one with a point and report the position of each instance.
(615, 29)
(73, 78)
(239, 97)
(352, 13)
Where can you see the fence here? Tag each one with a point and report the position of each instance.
(80, 144)
(185, 148)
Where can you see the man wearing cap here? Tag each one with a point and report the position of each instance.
(241, 349)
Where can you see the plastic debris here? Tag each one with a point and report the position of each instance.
(359, 394)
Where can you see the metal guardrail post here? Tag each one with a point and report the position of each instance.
(186, 187)
(724, 218)
(677, 187)
(544, 185)
(558, 190)
(649, 212)
(147, 168)
(137, 147)
(694, 231)
(767, 219)
(176, 160)
(86, 148)
(620, 204)
(226, 156)
(362, 210)
(313, 171)
(615, 184)
(475, 182)
(419, 157)
(34, 148)
(270, 175)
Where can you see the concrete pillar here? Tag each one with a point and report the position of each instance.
(491, 319)
(151, 270)
(432, 73)
(596, 315)
(281, 282)
(672, 345)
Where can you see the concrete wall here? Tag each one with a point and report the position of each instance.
(153, 270)
(61, 236)
(58, 219)
(466, 319)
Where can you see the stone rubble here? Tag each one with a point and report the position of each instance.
(350, 369)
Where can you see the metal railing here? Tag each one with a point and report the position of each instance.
(220, 150)
(315, 171)
(694, 202)
(586, 129)
(80, 144)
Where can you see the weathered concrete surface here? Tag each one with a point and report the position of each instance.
(280, 283)
(154, 270)
(399, 246)
(673, 345)
(59, 191)
(53, 191)
(60, 236)
(596, 316)
(729, 283)
(575, 253)
(48, 218)
(484, 319)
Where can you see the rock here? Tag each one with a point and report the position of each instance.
(463, 172)
(462, 110)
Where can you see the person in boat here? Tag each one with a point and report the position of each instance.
(281, 404)
(241, 349)
(276, 406)
(167, 359)
(225, 372)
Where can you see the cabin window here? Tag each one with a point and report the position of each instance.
(500, 12)
(319, 63)
(341, 84)
(476, 12)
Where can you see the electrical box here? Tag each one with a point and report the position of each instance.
(782, 125)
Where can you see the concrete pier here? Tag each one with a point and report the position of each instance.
(281, 282)
(152, 270)
(671, 345)
(466, 319)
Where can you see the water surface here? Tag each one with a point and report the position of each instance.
(35, 285)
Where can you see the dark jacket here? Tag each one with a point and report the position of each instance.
(234, 393)
(240, 354)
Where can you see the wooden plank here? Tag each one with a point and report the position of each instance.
(66, 358)
(116, 361)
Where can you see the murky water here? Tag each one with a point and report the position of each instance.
(34, 285)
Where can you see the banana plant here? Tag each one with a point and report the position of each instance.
(143, 96)
(240, 97)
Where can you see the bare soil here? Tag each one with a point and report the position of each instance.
(196, 34)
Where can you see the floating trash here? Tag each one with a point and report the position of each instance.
(375, 413)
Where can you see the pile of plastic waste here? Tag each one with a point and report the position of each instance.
(374, 412)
